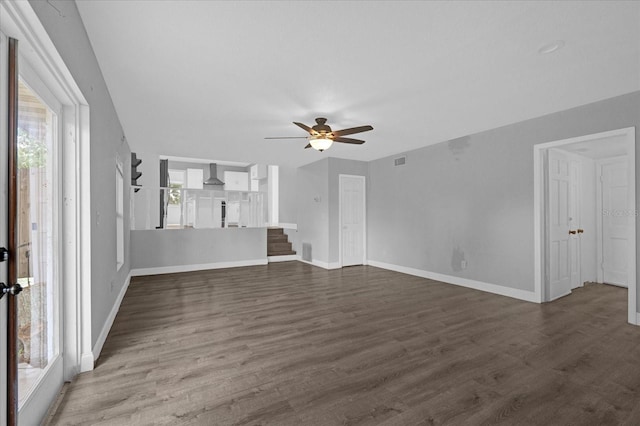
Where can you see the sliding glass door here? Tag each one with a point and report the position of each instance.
(37, 252)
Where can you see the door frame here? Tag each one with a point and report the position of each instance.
(364, 216)
(21, 22)
(4, 183)
(539, 205)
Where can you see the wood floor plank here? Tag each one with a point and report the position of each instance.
(292, 344)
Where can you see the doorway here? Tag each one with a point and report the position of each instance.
(584, 227)
(352, 220)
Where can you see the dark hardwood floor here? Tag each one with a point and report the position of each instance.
(292, 344)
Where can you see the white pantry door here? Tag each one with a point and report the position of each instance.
(559, 225)
(352, 220)
(615, 222)
(575, 205)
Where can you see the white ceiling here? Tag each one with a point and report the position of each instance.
(205, 79)
(614, 147)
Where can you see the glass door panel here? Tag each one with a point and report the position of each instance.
(38, 333)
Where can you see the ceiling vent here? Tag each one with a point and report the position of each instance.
(400, 161)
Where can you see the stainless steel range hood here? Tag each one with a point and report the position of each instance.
(213, 176)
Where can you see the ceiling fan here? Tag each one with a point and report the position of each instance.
(321, 136)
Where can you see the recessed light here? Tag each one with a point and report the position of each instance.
(551, 47)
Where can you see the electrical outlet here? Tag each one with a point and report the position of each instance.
(463, 264)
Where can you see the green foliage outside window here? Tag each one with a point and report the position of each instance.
(31, 152)
(175, 193)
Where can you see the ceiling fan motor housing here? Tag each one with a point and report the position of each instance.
(321, 127)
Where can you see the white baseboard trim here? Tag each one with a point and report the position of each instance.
(87, 362)
(102, 337)
(528, 296)
(285, 258)
(196, 267)
(561, 296)
(637, 318)
(319, 263)
(293, 226)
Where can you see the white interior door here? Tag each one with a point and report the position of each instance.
(615, 221)
(559, 250)
(352, 220)
(575, 206)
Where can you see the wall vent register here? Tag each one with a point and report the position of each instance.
(399, 161)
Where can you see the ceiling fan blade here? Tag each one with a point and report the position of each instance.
(352, 130)
(348, 140)
(308, 146)
(287, 137)
(304, 127)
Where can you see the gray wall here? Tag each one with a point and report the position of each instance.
(67, 32)
(472, 198)
(338, 166)
(318, 205)
(181, 247)
(313, 209)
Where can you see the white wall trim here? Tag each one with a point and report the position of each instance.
(102, 337)
(293, 226)
(319, 263)
(273, 195)
(285, 258)
(632, 282)
(86, 362)
(196, 267)
(637, 319)
(528, 296)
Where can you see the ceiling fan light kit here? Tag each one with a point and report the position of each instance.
(321, 136)
(320, 143)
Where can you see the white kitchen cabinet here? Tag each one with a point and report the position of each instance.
(236, 181)
(258, 171)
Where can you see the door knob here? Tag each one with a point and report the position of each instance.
(580, 231)
(572, 232)
(13, 290)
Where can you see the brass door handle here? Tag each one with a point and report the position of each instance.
(580, 231)
(572, 232)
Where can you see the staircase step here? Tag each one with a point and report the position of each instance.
(277, 238)
(279, 247)
(275, 231)
(278, 243)
(282, 253)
